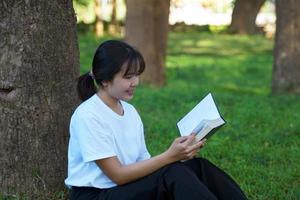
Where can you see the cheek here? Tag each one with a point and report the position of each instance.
(125, 84)
(120, 90)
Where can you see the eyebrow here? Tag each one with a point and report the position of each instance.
(132, 70)
(130, 73)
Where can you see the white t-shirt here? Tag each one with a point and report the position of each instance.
(97, 132)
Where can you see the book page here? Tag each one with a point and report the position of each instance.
(204, 110)
(203, 133)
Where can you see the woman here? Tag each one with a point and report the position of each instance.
(107, 156)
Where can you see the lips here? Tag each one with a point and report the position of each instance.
(130, 92)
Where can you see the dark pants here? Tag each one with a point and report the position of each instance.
(194, 179)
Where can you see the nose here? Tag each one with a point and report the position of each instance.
(135, 81)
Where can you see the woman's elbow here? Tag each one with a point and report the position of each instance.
(119, 180)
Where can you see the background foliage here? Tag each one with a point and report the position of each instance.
(260, 145)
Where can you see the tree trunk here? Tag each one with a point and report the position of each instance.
(113, 25)
(286, 70)
(244, 16)
(38, 66)
(146, 28)
(99, 27)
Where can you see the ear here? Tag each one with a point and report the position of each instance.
(104, 83)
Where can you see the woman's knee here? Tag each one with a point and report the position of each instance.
(173, 168)
(176, 169)
(198, 164)
(199, 161)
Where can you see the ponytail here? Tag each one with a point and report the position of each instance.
(86, 86)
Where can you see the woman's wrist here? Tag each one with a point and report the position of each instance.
(168, 158)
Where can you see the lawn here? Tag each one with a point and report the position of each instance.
(260, 144)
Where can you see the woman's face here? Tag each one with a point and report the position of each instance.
(122, 86)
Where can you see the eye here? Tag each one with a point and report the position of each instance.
(129, 76)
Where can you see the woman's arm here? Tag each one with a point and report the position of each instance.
(122, 174)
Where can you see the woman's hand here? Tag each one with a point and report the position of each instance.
(184, 148)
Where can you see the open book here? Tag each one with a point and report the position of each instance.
(203, 120)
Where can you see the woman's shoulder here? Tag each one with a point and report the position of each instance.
(87, 108)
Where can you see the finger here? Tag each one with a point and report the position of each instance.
(189, 140)
(204, 140)
(203, 143)
(182, 139)
(197, 145)
(192, 154)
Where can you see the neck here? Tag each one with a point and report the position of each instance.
(111, 102)
(108, 100)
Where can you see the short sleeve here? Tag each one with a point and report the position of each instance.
(94, 137)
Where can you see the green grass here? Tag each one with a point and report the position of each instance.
(260, 145)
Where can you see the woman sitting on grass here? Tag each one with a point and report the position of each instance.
(107, 156)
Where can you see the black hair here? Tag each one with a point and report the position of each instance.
(108, 60)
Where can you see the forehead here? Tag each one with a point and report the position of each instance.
(132, 67)
(125, 70)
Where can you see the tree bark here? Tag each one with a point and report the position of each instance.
(286, 69)
(38, 66)
(244, 16)
(146, 28)
(99, 27)
(113, 25)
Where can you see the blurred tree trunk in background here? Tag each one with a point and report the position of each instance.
(146, 28)
(38, 68)
(286, 69)
(244, 16)
(99, 27)
(113, 27)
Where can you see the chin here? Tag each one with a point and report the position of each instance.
(127, 98)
